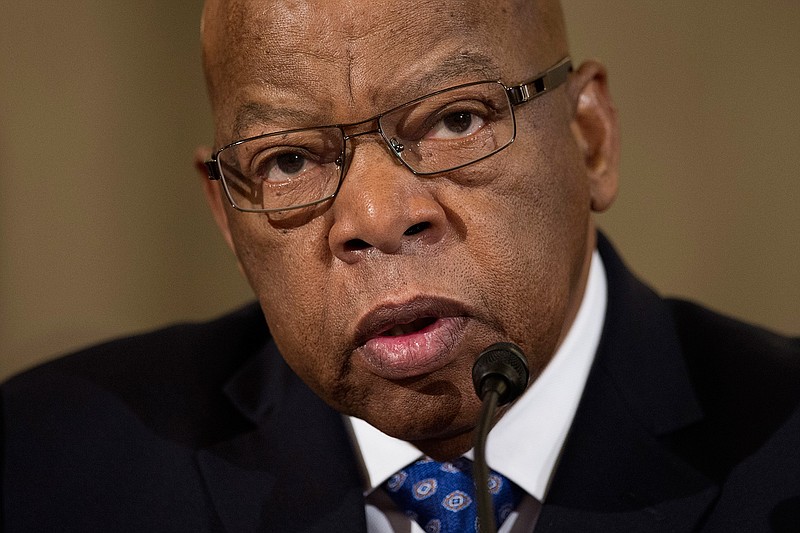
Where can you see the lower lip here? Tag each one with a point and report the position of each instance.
(415, 354)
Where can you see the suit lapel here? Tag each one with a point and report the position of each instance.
(616, 472)
(294, 469)
(614, 475)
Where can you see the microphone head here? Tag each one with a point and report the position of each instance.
(503, 361)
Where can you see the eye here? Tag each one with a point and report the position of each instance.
(289, 163)
(456, 124)
(280, 167)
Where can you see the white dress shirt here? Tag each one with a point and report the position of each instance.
(524, 445)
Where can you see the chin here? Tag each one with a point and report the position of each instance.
(445, 449)
(436, 423)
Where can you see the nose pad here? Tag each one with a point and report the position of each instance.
(396, 146)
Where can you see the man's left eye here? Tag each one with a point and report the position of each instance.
(455, 125)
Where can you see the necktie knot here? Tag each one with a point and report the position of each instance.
(440, 497)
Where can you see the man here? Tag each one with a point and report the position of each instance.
(364, 175)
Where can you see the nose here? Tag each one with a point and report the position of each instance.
(381, 206)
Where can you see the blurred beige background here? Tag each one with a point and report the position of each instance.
(103, 230)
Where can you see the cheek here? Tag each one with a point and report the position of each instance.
(528, 237)
(287, 271)
(550, 194)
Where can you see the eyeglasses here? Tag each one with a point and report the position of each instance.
(437, 133)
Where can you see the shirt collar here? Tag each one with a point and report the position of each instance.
(525, 444)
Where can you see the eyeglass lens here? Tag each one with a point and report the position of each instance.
(437, 133)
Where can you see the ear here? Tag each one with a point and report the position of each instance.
(215, 196)
(596, 130)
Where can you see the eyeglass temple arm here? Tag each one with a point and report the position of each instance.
(551, 79)
(212, 169)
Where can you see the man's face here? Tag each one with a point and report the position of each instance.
(382, 299)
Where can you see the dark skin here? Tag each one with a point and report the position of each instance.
(505, 243)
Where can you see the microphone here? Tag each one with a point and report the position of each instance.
(501, 367)
(500, 375)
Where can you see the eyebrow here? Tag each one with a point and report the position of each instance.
(452, 70)
(262, 112)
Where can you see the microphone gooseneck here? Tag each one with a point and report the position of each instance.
(500, 375)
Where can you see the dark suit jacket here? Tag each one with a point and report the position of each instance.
(689, 422)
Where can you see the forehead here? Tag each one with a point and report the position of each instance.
(295, 63)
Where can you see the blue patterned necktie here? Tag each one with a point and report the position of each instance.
(440, 497)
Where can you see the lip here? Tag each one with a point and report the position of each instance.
(416, 352)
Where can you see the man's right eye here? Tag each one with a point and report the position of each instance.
(283, 167)
(290, 163)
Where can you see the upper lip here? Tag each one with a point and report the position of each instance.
(389, 314)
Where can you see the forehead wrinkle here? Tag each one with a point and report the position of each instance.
(462, 67)
(350, 74)
(250, 114)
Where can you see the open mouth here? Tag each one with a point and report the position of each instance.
(399, 340)
(406, 329)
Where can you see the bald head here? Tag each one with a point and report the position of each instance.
(355, 45)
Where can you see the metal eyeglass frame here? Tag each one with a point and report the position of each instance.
(517, 95)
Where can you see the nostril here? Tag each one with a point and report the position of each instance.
(353, 245)
(417, 228)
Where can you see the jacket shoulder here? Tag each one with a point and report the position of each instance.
(163, 346)
(744, 360)
(746, 379)
(171, 378)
